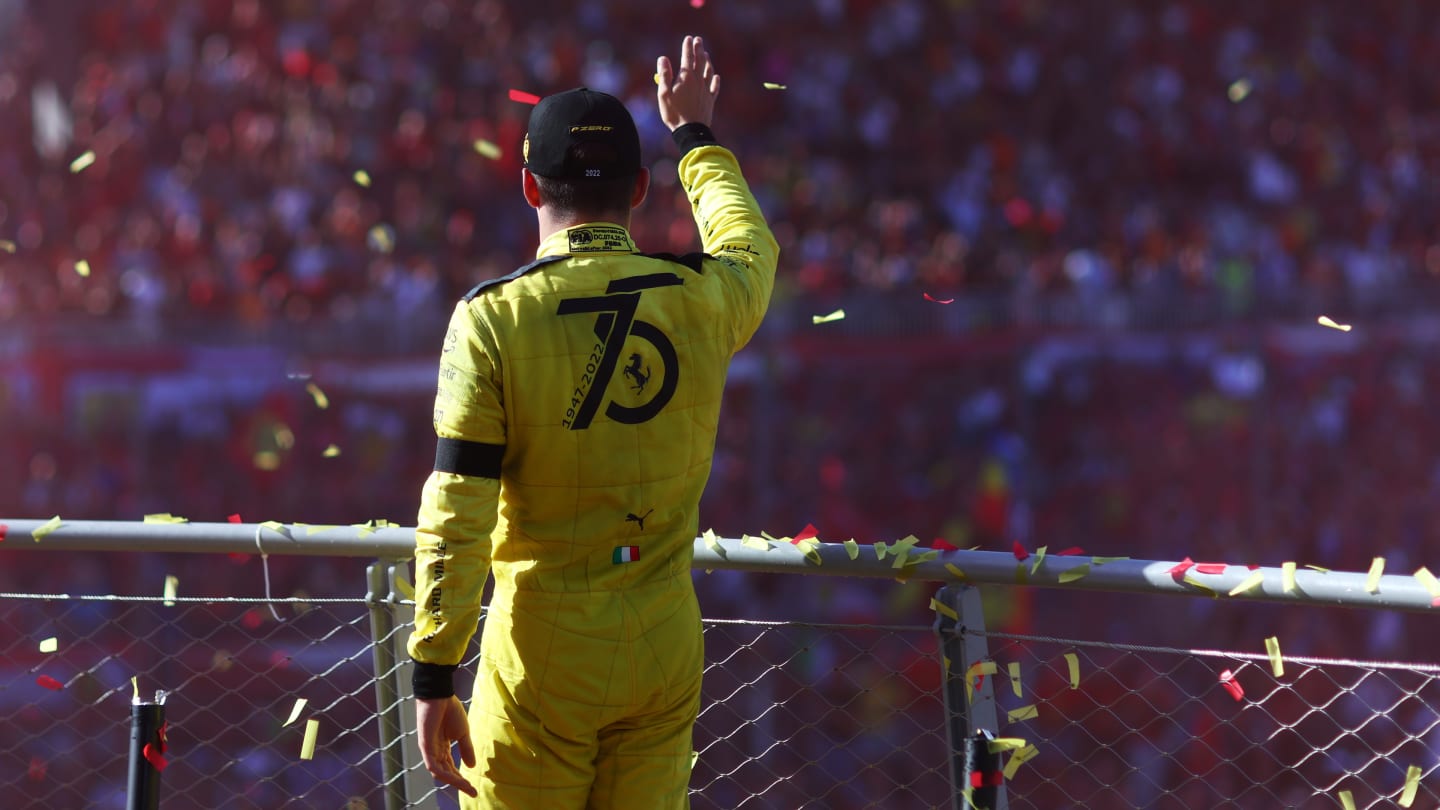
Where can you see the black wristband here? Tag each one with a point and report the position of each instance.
(433, 681)
(689, 136)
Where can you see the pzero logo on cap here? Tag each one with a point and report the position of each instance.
(581, 134)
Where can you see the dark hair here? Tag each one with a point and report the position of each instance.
(591, 198)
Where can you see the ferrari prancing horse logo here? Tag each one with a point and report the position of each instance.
(615, 322)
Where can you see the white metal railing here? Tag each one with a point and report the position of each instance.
(972, 707)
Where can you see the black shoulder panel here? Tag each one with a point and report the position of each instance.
(541, 262)
(694, 261)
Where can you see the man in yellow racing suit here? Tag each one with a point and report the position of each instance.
(576, 418)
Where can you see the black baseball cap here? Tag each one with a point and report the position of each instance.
(582, 134)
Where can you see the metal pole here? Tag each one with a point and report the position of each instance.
(969, 707)
(147, 721)
(387, 692)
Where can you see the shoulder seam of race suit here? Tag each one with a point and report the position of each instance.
(694, 261)
(491, 282)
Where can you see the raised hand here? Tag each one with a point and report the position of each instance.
(689, 97)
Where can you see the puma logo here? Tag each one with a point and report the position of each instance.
(640, 519)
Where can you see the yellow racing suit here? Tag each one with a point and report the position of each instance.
(576, 419)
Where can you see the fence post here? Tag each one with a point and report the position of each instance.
(146, 723)
(405, 782)
(970, 710)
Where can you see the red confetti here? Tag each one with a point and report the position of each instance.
(806, 533)
(1210, 568)
(49, 683)
(36, 771)
(238, 558)
(929, 297)
(1181, 567)
(697, 3)
(524, 97)
(944, 545)
(1070, 552)
(235, 518)
(1020, 553)
(1227, 680)
(155, 756)
(3, 530)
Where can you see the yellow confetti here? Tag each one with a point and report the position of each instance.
(82, 268)
(1019, 758)
(810, 547)
(1372, 581)
(79, 164)
(49, 645)
(1238, 90)
(135, 687)
(1015, 678)
(772, 86)
(694, 758)
(362, 178)
(1001, 744)
(837, 315)
(1195, 583)
(314, 530)
(1318, 568)
(1324, 320)
(1250, 583)
(321, 401)
(1287, 577)
(1078, 572)
(331, 451)
(47, 527)
(165, 517)
(711, 541)
(172, 584)
(657, 78)
(754, 542)
(7, 246)
(852, 548)
(923, 557)
(1103, 560)
(956, 572)
(1072, 661)
(1412, 784)
(405, 588)
(1428, 580)
(900, 549)
(487, 149)
(1346, 800)
(1023, 713)
(295, 713)
(382, 238)
(944, 609)
(1272, 648)
(312, 733)
(1039, 558)
(274, 526)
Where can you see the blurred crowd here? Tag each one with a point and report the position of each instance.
(327, 163)
(315, 160)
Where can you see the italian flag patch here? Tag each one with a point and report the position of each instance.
(624, 554)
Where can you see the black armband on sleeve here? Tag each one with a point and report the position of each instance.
(433, 681)
(468, 458)
(689, 136)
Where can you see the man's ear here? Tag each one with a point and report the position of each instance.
(642, 187)
(530, 188)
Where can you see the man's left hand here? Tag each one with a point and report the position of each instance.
(440, 723)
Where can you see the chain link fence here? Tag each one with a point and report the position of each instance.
(1160, 728)
(794, 715)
